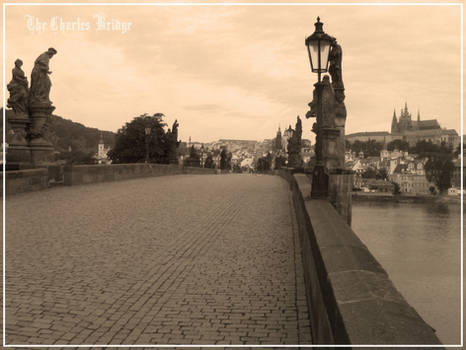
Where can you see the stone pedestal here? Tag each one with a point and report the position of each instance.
(340, 186)
(41, 149)
(18, 156)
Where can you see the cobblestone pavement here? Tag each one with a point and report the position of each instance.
(188, 259)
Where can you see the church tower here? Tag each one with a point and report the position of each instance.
(418, 116)
(101, 146)
(394, 123)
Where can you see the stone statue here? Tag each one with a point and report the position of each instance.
(40, 81)
(175, 130)
(299, 131)
(18, 89)
(294, 149)
(335, 58)
(173, 143)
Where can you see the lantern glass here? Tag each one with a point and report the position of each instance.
(313, 51)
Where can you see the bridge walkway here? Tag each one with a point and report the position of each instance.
(186, 259)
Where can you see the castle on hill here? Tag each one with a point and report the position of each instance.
(412, 131)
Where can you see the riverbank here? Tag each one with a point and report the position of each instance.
(387, 197)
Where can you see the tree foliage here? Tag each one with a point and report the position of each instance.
(439, 170)
(400, 145)
(130, 142)
(194, 159)
(225, 159)
(370, 148)
(264, 163)
(439, 166)
(209, 162)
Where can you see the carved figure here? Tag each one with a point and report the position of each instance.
(40, 81)
(312, 113)
(173, 143)
(18, 89)
(175, 130)
(328, 104)
(335, 58)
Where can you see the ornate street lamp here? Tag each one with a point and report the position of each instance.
(318, 47)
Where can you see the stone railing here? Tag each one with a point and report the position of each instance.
(19, 181)
(85, 174)
(42, 178)
(352, 300)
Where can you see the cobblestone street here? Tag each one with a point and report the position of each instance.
(188, 259)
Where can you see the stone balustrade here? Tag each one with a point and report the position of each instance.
(352, 299)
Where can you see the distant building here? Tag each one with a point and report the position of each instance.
(378, 136)
(412, 131)
(102, 150)
(411, 179)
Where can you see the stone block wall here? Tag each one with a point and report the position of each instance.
(352, 299)
(20, 181)
(85, 174)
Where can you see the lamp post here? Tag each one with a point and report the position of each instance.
(318, 47)
(147, 131)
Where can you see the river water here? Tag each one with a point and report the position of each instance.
(419, 247)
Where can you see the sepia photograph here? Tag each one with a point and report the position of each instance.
(232, 174)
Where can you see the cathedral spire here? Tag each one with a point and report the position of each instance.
(418, 116)
(406, 107)
(394, 122)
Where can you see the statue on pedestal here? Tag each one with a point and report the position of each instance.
(40, 108)
(335, 58)
(40, 81)
(173, 143)
(18, 89)
(18, 155)
(294, 146)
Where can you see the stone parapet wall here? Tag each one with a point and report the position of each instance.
(41, 178)
(85, 174)
(20, 181)
(351, 297)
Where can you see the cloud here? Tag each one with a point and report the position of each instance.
(239, 72)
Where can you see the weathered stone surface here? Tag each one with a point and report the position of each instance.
(86, 174)
(156, 261)
(26, 180)
(353, 299)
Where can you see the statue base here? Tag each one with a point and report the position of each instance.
(319, 182)
(340, 187)
(18, 157)
(42, 152)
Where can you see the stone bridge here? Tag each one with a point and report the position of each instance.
(191, 259)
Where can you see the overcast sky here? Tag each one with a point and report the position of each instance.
(241, 71)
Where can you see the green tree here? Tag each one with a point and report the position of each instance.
(370, 148)
(399, 145)
(130, 142)
(209, 162)
(194, 159)
(225, 159)
(381, 174)
(396, 188)
(369, 173)
(439, 170)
